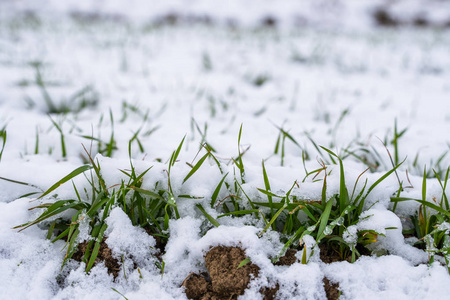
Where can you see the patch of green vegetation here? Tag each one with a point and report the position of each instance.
(3, 140)
(151, 210)
(431, 224)
(329, 221)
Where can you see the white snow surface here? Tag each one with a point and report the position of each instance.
(199, 80)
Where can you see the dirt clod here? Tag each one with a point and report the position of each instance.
(330, 255)
(196, 286)
(331, 289)
(288, 258)
(270, 293)
(225, 280)
(104, 254)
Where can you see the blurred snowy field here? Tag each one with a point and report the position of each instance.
(324, 73)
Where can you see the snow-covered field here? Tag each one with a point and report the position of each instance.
(113, 81)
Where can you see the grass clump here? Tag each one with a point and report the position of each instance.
(149, 209)
(330, 221)
(431, 223)
(81, 99)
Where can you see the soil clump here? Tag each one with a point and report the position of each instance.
(225, 279)
(331, 289)
(104, 254)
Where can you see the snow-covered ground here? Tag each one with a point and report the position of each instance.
(326, 75)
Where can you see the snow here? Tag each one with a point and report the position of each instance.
(324, 58)
(390, 277)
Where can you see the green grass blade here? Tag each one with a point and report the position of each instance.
(309, 214)
(273, 219)
(96, 248)
(216, 191)
(52, 210)
(239, 159)
(343, 193)
(63, 143)
(196, 167)
(324, 220)
(175, 154)
(240, 212)
(119, 293)
(146, 192)
(382, 178)
(66, 178)
(244, 262)
(425, 203)
(209, 217)
(267, 186)
(97, 206)
(3, 137)
(268, 193)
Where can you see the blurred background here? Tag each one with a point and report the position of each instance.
(346, 14)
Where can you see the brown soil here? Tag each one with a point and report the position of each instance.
(196, 286)
(224, 279)
(288, 258)
(160, 243)
(270, 293)
(329, 254)
(331, 289)
(104, 254)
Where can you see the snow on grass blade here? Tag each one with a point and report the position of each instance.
(22, 183)
(53, 209)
